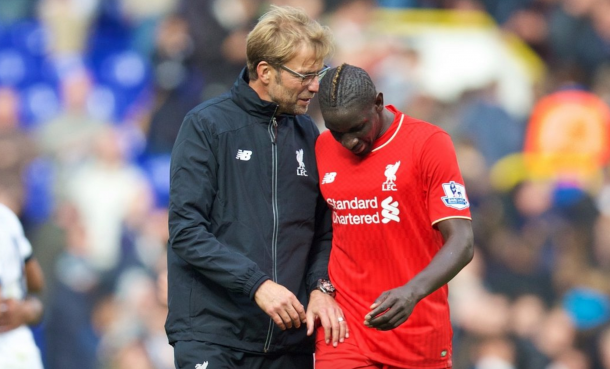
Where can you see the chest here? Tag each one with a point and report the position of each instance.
(391, 173)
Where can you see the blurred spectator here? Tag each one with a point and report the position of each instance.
(603, 349)
(17, 150)
(178, 85)
(103, 190)
(144, 16)
(69, 23)
(14, 10)
(495, 353)
(218, 29)
(68, 138)
(488, 126)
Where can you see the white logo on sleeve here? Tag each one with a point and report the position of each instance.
(390, 210)
(301, 169)
(329, 177)
(202, 366)
(244, 155)
(390, 175)
(455, 196)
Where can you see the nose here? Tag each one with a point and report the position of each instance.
(349, 142)
(314, 85)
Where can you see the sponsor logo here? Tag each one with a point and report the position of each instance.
(455, 196)
(329, 177)
(389, 211)
(301, 169)
(204, 365)
(390, 175)
(244, 155)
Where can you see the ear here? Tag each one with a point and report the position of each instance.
(379, 102)
(264, 71)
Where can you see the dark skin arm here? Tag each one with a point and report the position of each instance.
(15, 313)
(397, 304)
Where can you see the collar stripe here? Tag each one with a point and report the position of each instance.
(402, 117)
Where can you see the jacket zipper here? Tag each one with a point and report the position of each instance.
(274, 169)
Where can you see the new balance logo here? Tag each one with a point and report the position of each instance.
(202, 366)
(390, 210)
(329, 177)
(244, 155)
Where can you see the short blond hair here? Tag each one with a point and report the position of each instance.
(278, 35)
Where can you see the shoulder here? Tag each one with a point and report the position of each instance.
(9, 220)
(306, 123)
(325, 140)
(215, 116)
(421, 134)
(421, 127)
(210, 110)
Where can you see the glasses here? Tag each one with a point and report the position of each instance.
(307, 78)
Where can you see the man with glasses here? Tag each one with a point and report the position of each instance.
(250, 234)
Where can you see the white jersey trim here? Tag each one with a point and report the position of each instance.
(402, 117)
(452, 217)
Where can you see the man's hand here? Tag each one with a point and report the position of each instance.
(280, 304)
(391, 309)
(15, 313)
(325, 308)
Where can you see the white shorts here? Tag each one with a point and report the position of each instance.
(18, 350)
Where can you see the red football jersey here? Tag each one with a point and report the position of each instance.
(385, 206)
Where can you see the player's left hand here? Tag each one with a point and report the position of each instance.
(391, 309)
(324, 308)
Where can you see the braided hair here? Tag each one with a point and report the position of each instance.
(344, 88)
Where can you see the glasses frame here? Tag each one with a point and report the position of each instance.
(309, 76)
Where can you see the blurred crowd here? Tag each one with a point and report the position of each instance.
(93, 92)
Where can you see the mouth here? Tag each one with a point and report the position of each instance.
(359, 149)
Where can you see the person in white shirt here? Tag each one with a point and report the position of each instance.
(20, 276)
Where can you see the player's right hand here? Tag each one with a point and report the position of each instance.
(280, 304)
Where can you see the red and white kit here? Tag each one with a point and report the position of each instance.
(385, 207)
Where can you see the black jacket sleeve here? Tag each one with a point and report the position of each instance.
(193, 187)
(320, 250)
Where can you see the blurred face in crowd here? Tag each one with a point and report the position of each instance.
(8, 108)
(293, 84)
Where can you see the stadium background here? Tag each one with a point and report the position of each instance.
(92, 93)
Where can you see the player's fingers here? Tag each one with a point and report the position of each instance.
(379, 300)
(379, 311)
(384, 318)
(392, 323)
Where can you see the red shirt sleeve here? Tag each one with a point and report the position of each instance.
(446, 194)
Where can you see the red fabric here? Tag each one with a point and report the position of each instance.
(383, 234)
(345, 356)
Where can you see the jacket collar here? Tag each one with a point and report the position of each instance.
(247, 99)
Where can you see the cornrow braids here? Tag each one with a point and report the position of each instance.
(345, 87)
